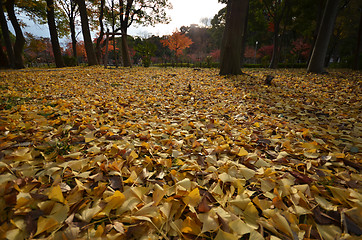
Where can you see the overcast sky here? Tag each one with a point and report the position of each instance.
(184, 13)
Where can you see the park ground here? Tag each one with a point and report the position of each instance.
(180, 153)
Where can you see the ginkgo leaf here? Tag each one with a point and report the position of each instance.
(221, 235)
(45, 224)
(134, 153)
(190, 226)
(113, 202)
(56, 194)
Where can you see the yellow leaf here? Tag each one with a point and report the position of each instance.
(45, 224)
(113, 202)
(158, 194)
(240, 227)
(247, 173)
(133, 155)
(221, 235)
(193, 198)
(56, 194)
(190, 226)
(132, 178)
(99, 231)
(242, 152)
(209, 223)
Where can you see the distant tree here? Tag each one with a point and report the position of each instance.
(201, 39)
(145, 50)
(91, 55)
(276, 11)
(177, 42)
(231, 47)
(300, 49)
(145, 12)
(20, 40)
(317, 61)
(54, 34)
(33, 48)
(70, 7)
(101, 32)
(6, 36)
(218, 27)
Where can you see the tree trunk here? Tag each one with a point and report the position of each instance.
(4, 63)
(274, 61)
(6, 35)
(73, 37)
(91, 56)
(316, 64)
(358, 45)
(232, 38)
(59, 63)
(101, 34)
(20, 40)
(125, 53)
(243, 43)
(318, 25)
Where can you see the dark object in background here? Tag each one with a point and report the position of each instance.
(269, 79)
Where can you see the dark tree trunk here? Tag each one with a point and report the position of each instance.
(73, 37)
(20, 40)
(358, 45)
(59, 63)
(125, 53)
(316, 63)
(6, 36)
(277, 19)
(4, 63)
(318, 25)
(91, 56)
(243, 43)
(125, 18)
(101, 34)
(232, 38)
(275, 57)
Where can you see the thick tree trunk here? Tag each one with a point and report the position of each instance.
(91, 56)
(20, 40)
(125, 52)
(319, 21)
(232, 38)
(316, 64)
(101, 34)
(59, 63)
(6, 36)
(358, 45)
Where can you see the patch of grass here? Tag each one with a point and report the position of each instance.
(9, 102)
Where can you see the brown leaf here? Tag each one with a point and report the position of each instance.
(302, 178)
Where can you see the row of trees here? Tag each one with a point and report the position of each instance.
(119, 15)
(285, 17)
(271, 31)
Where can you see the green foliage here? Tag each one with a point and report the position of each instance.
(69, 61)
(145, 50)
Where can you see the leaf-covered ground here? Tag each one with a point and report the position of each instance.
(89, 153)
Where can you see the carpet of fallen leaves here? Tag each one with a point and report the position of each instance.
(88, 153)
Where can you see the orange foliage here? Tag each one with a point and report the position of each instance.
(177, 42)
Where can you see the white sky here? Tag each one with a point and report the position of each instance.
(184, 13)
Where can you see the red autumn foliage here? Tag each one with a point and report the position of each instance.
(177, 42)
